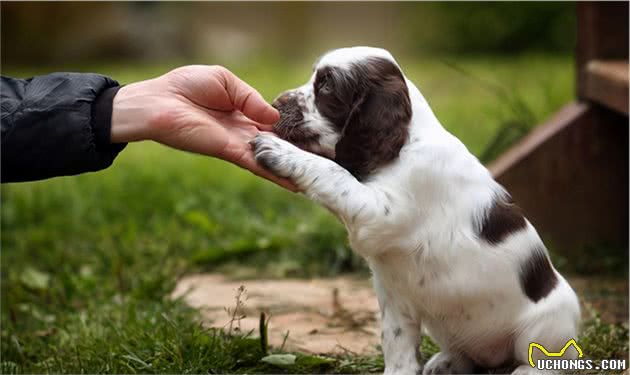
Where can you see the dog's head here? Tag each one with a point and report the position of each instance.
(355, 109)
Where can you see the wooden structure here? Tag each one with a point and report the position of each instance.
(570, 174)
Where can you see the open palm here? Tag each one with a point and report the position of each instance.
(198, 108)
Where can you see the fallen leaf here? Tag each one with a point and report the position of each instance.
(280, 360)
(34, 279)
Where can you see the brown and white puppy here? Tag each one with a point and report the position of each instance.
(450, 254)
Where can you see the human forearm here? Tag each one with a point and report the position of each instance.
(56, 125)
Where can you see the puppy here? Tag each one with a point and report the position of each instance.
(451, 255)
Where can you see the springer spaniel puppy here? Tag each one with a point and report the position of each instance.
(450, 254)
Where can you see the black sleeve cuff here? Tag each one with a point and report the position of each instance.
(102, 119)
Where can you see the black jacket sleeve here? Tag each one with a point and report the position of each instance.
(56, 125)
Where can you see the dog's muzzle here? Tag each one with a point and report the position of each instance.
(291, 115)
(292, 126)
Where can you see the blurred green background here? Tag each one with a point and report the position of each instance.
(88, 261)
(39, 33)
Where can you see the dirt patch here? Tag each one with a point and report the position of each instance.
(337, 315)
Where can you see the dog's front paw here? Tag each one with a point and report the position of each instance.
(275, 155)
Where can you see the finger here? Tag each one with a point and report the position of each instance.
(247, 100)
(264, 127)
(239, 119)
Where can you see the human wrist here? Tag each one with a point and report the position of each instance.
(129, 114)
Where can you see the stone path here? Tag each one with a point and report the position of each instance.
(334, 315)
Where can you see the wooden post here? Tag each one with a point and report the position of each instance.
(570, 174)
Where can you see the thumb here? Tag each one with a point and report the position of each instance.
(249, 101)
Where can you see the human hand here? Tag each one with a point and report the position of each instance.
(198, 108)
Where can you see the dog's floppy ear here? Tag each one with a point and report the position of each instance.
(377, 127)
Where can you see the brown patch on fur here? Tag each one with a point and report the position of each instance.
(537, 276)
(501, 219)
(369, 105)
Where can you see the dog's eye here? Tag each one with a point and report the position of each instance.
(323, 85)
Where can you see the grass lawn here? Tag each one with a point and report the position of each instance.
(88, 261)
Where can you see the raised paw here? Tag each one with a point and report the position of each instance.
(275, 155)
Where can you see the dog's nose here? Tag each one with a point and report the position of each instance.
(283, 99)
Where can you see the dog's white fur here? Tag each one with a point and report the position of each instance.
(411, 221)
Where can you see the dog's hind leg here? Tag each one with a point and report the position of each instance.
(447, 363)
(554, 331)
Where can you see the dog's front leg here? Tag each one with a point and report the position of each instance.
(321, 179)
(400, 335)
(400, 339)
